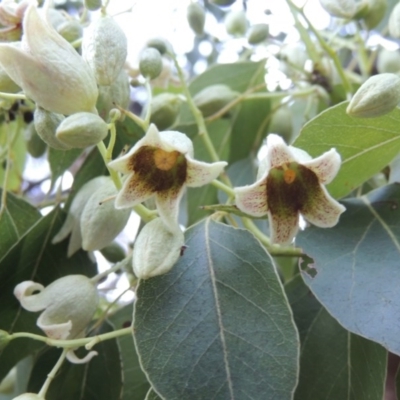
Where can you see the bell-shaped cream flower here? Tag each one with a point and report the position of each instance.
(161, 164)
(48, 68)
(290, 183)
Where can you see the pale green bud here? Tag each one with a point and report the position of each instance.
(82, 130)
(34, 143)
(7, 84)
(394, 22)
(70, 30)
(113, 252)
(159, 44)
(257, 33)
(100, 221)
(105, 48)
(375, 12)
(29, 396)
(92, 5)
(282, 123)
(340, 8)
(196, 17)
(388, 61)
(156, 250)
(165, 109)
(236, 23)
(211, 99)
(46, 124)
(150, 63)
(377, 96)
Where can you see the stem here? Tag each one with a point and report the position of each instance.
(52, 374)
(225, 188)
(363, 61)
(12, 96)
(149, 99)
(133, 117)
(116, 267)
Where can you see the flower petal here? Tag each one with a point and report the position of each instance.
(323, 210)
(75, 241)
(168, 206)
(133, 192)
(31, 302)
(174, 140)
(278, 152)
(252, 199)
(54, 331)
(325, 166)
(73, 358)
(200, 173)
(283, 227)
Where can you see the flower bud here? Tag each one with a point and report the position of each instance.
(282, 123)
(376, 10)
(113, 252)
(70, 30)
(46, 124)
(156, 250)
(257, 33)
(394, 22)
(82, 130)
(165, 109)
(68, 303)
(150, 63)
(159, 44)
(104, 47)
(72, 222)
(222, 3)
(35, 145)
(93, 5)
(196, 17)
(236, 23)
(28, 396)
(116, 94)
(388, 61)
(7, 84)
(377, 96)
(100, 221)
(340, 8)
(211, 99)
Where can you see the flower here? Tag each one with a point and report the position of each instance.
(161, 165)
(290, 183)
(48, 68)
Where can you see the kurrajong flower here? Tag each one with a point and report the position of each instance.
(290, 183)
(48, 69)
(161, 164)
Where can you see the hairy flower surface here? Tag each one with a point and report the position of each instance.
(48, 68)
(161, 164)
(290, 183)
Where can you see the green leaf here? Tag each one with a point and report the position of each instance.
(349, 366)
(355, 273)
(152, 395)
(60, 161)
(18, 216)
(366, 145)
(135, 382)
(33, 257)
(99, 379)
(218, 325)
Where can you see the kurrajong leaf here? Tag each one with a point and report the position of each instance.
(218, 324)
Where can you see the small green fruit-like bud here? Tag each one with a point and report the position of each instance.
(159, 44)
(164, 110)
(150, 63)
(70, 30)
(213, 98)
(82, 130)
(92, 5)
(105, 48)
(375, 12)
(377, 96)
(394, 22)
(196, 17)
(35, 145)
(236, 23)
(5, 338)
(222, 3)
(156, 250)
(100, 221)
(46, 124)
(282, 123)
(113, 252)
(7, 84)
(29, 396)
(258, 33)
(388, 61)
(340, 8)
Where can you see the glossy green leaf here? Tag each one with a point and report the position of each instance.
(33, 257)
(218, 325)
(60, 161)
(17, 217)
(135, 385)
(366, 145)
(349, 366)
(355, 272)
(99, 379)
